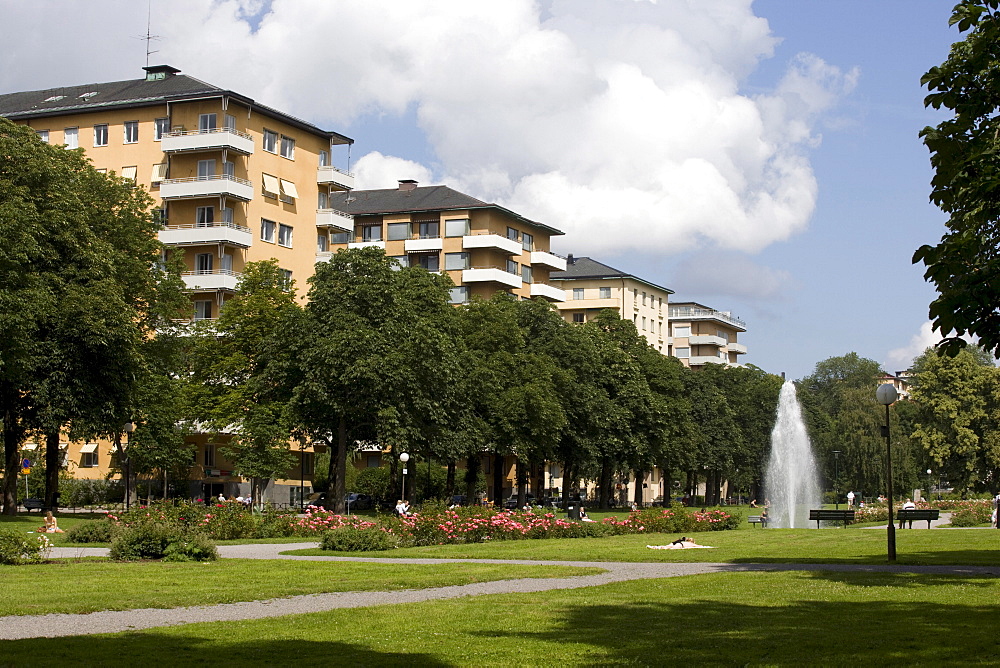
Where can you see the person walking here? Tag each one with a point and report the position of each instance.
(850, 499)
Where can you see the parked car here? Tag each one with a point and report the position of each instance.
(511, 502)
(357, 501)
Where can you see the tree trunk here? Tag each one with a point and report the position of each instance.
(52, 457)
(567, 483)
(472, 466)
(605, 484)
(637, 497)
(339, 484)
(521, 475)
(498, 478)
(12, 464)
(538, 481)
(449, 485)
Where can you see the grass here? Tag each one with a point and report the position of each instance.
(779, 618)
(90, 585)
(25, 522)
(826, 546)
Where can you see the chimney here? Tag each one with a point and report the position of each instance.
(570, 259)
(406, 185)
(160, 72)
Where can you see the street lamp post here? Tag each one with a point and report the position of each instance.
(836, 477)
(129, 427)
(886, 395)
(302, 476)
(929, 484)
(405, 457)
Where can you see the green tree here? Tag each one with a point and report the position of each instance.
(964, 266)
(82, 289)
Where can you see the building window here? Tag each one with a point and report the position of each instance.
(605, 293)
(286, 279)
(130, 173)
(270, 141)
(428, 261)
(271, 186)
(206, 169)
(131, 132)
(323, 200)
(101, 134)
(285, 236)
(682, 331)
(643, 298)
(206, 122)
(209, 454)
(88, 456)
(230, 122)
(456, 261)
(71, 137)
(513, 234)
(203, 310)
(527, 242)
(288, 191)
(203, 263)
(227, 215)
(577, 293)
(287, 147)
(399, 261)
(397, 231)
(430, 230)
(340, 237)
(579, 317)
(512, 267)
(204, 216)
(161, 126)
(159, 173)
(683, 353)
(644, 323)
(324, 158)
(229, 169)
(371, 233)
(373, 461)
(459, 295)
(267, 230)
(458, 227)
(322, 243)
(43, 135)
(526, 274)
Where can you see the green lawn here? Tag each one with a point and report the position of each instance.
(825, 546)
(787, 618)
(25, 522)
(89, 585)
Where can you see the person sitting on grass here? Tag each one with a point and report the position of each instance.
(51, 525)
(583, 515)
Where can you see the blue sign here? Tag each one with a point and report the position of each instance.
(26, 464)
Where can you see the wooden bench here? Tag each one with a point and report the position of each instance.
(33, 504)
(757, 519)
(908, 515)
(820, 515)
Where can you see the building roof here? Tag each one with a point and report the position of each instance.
(152, 90)
(581, 268)
(418, 200)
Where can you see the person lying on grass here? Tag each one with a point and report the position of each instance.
(681, 543)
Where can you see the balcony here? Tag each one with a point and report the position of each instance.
(207, 140)
(323, 256)
(366, 244)
(491, 275)
(423, 245)
(213, 279)
(196, 235)
(492, 242)
(206, 186)
(707, 340)
(684, 313)
(737, 348)
(549, 260)
(548, 291)
(334, 177)
(334, 218)
(700, 360)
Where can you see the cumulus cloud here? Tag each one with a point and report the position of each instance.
(621, 122)
(714, 273)
(375, 171)
(902, 358)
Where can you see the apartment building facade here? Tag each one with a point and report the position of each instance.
(235, 182)
(701, 335)
(484, 248)
(593, 286)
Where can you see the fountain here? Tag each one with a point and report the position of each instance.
(790, 482)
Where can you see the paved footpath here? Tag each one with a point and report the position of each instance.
(57, 625)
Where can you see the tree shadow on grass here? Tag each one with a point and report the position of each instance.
(151, 648)
(956, 558)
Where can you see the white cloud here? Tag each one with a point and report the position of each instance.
(375, 171)
(901, 358)
(619, 121)
(719, 274)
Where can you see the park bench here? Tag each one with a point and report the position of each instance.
(908, 515)
(820, 515)
(33, 504)
(757, 519)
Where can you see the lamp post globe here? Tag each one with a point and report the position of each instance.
(886, 395)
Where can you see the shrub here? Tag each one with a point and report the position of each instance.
(97, 531)
(16, 549)
(352, 539)
(972, 514)
(194, 548)
(143, 541)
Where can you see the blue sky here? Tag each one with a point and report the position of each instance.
(758, 157)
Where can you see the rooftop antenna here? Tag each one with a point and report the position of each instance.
(149, 37)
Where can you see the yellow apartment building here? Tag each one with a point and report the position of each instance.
(235, 181)
(702, 335)
(483, 247)
(592, 286)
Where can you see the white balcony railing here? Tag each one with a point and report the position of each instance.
(707, 340)
(212, 279)
(197, 234)
(737, 348)
(336, 178)
(549, 260)
(207, 140)
(423, 245)
(366, 244)
(687, 313)
(491, 275)
(492, 241)
(206, 186)
(333, 218)
(548, 291)
(700, 360)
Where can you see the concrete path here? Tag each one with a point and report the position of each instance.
(58, 625)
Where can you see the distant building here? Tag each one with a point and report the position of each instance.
(701, 335)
